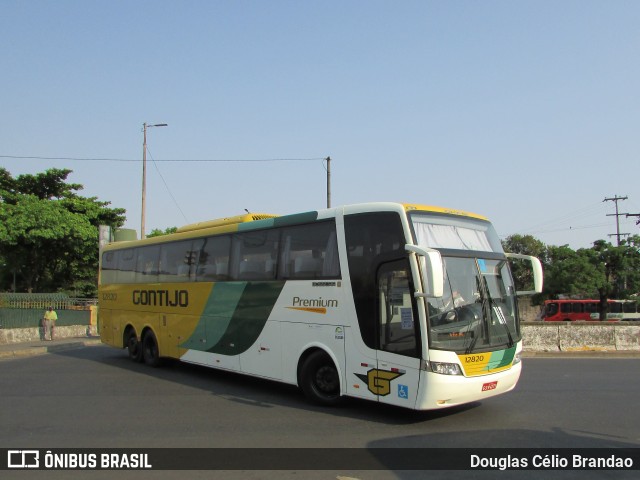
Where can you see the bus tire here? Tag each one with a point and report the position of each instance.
(134, 347)
(150, 351)
(319, 379)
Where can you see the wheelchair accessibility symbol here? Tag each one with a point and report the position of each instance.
(403, 391)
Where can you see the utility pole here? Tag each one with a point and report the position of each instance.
(616, 199)
(634, 215)
(144, 175)
(328, 159)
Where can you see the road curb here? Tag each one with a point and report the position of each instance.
(19, 351)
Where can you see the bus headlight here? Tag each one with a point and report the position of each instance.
(517, 359)
(445, 368)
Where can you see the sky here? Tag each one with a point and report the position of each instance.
(526, 112)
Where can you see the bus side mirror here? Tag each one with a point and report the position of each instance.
(431, 270)
(536, 267)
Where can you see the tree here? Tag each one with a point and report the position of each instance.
(620, 265)
(522, 273)
(156, 232)
(572, 273)
(632, 271)
(49, 234)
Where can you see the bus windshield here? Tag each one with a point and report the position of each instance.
(478, 309)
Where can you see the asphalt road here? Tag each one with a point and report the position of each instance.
(96, 397)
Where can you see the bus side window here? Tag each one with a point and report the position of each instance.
(615, 307)
(126, 266)
(175, 261)
(253, 255)
(213, 263)
(147, 264)
(109, 270)
(309, 252)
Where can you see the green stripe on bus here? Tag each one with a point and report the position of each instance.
(295, 219)
(249, 318)
(255, 225)
(306, 217)
(216, 317)
(234, 317)
(501, 358)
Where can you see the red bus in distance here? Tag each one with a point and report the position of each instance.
(569, 310)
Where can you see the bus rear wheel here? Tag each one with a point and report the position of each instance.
(319, 379)
(134, 347)
(150, 351)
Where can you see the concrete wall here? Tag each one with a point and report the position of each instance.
(580, 336)
(537, 336)
(20, 335)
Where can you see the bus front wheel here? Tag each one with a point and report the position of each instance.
(150, 351)
(319, 379)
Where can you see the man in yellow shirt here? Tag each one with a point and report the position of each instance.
(49, 321)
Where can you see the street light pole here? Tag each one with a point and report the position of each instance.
(144, 174)
(328, 159)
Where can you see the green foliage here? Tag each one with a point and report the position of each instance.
(49, 234)
(521, 270)
(156, 232)
(572, 273)
(603, 271)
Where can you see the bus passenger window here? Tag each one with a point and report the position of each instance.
(147, 264)
(109, 267)
(176, 261)
(213, 264)
(254, 254)
(126, 265)
(309, 252)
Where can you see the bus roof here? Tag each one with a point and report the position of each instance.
(265, 220)
(449, 211)
(247, 217)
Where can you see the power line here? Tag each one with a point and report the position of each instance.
(167, 187)
(552, 224)
(86, 159)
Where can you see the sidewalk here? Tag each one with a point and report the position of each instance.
(40, 347)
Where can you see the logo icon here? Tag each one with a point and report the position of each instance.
(23, 459)
(403, 391)
(379, 381)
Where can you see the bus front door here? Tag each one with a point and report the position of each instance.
(398, 354)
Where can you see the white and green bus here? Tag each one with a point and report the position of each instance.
(403, 304)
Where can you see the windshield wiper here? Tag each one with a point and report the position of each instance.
(500, 314)
(503, 321)
(483, 321)
(471, 345)
(488, 303)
